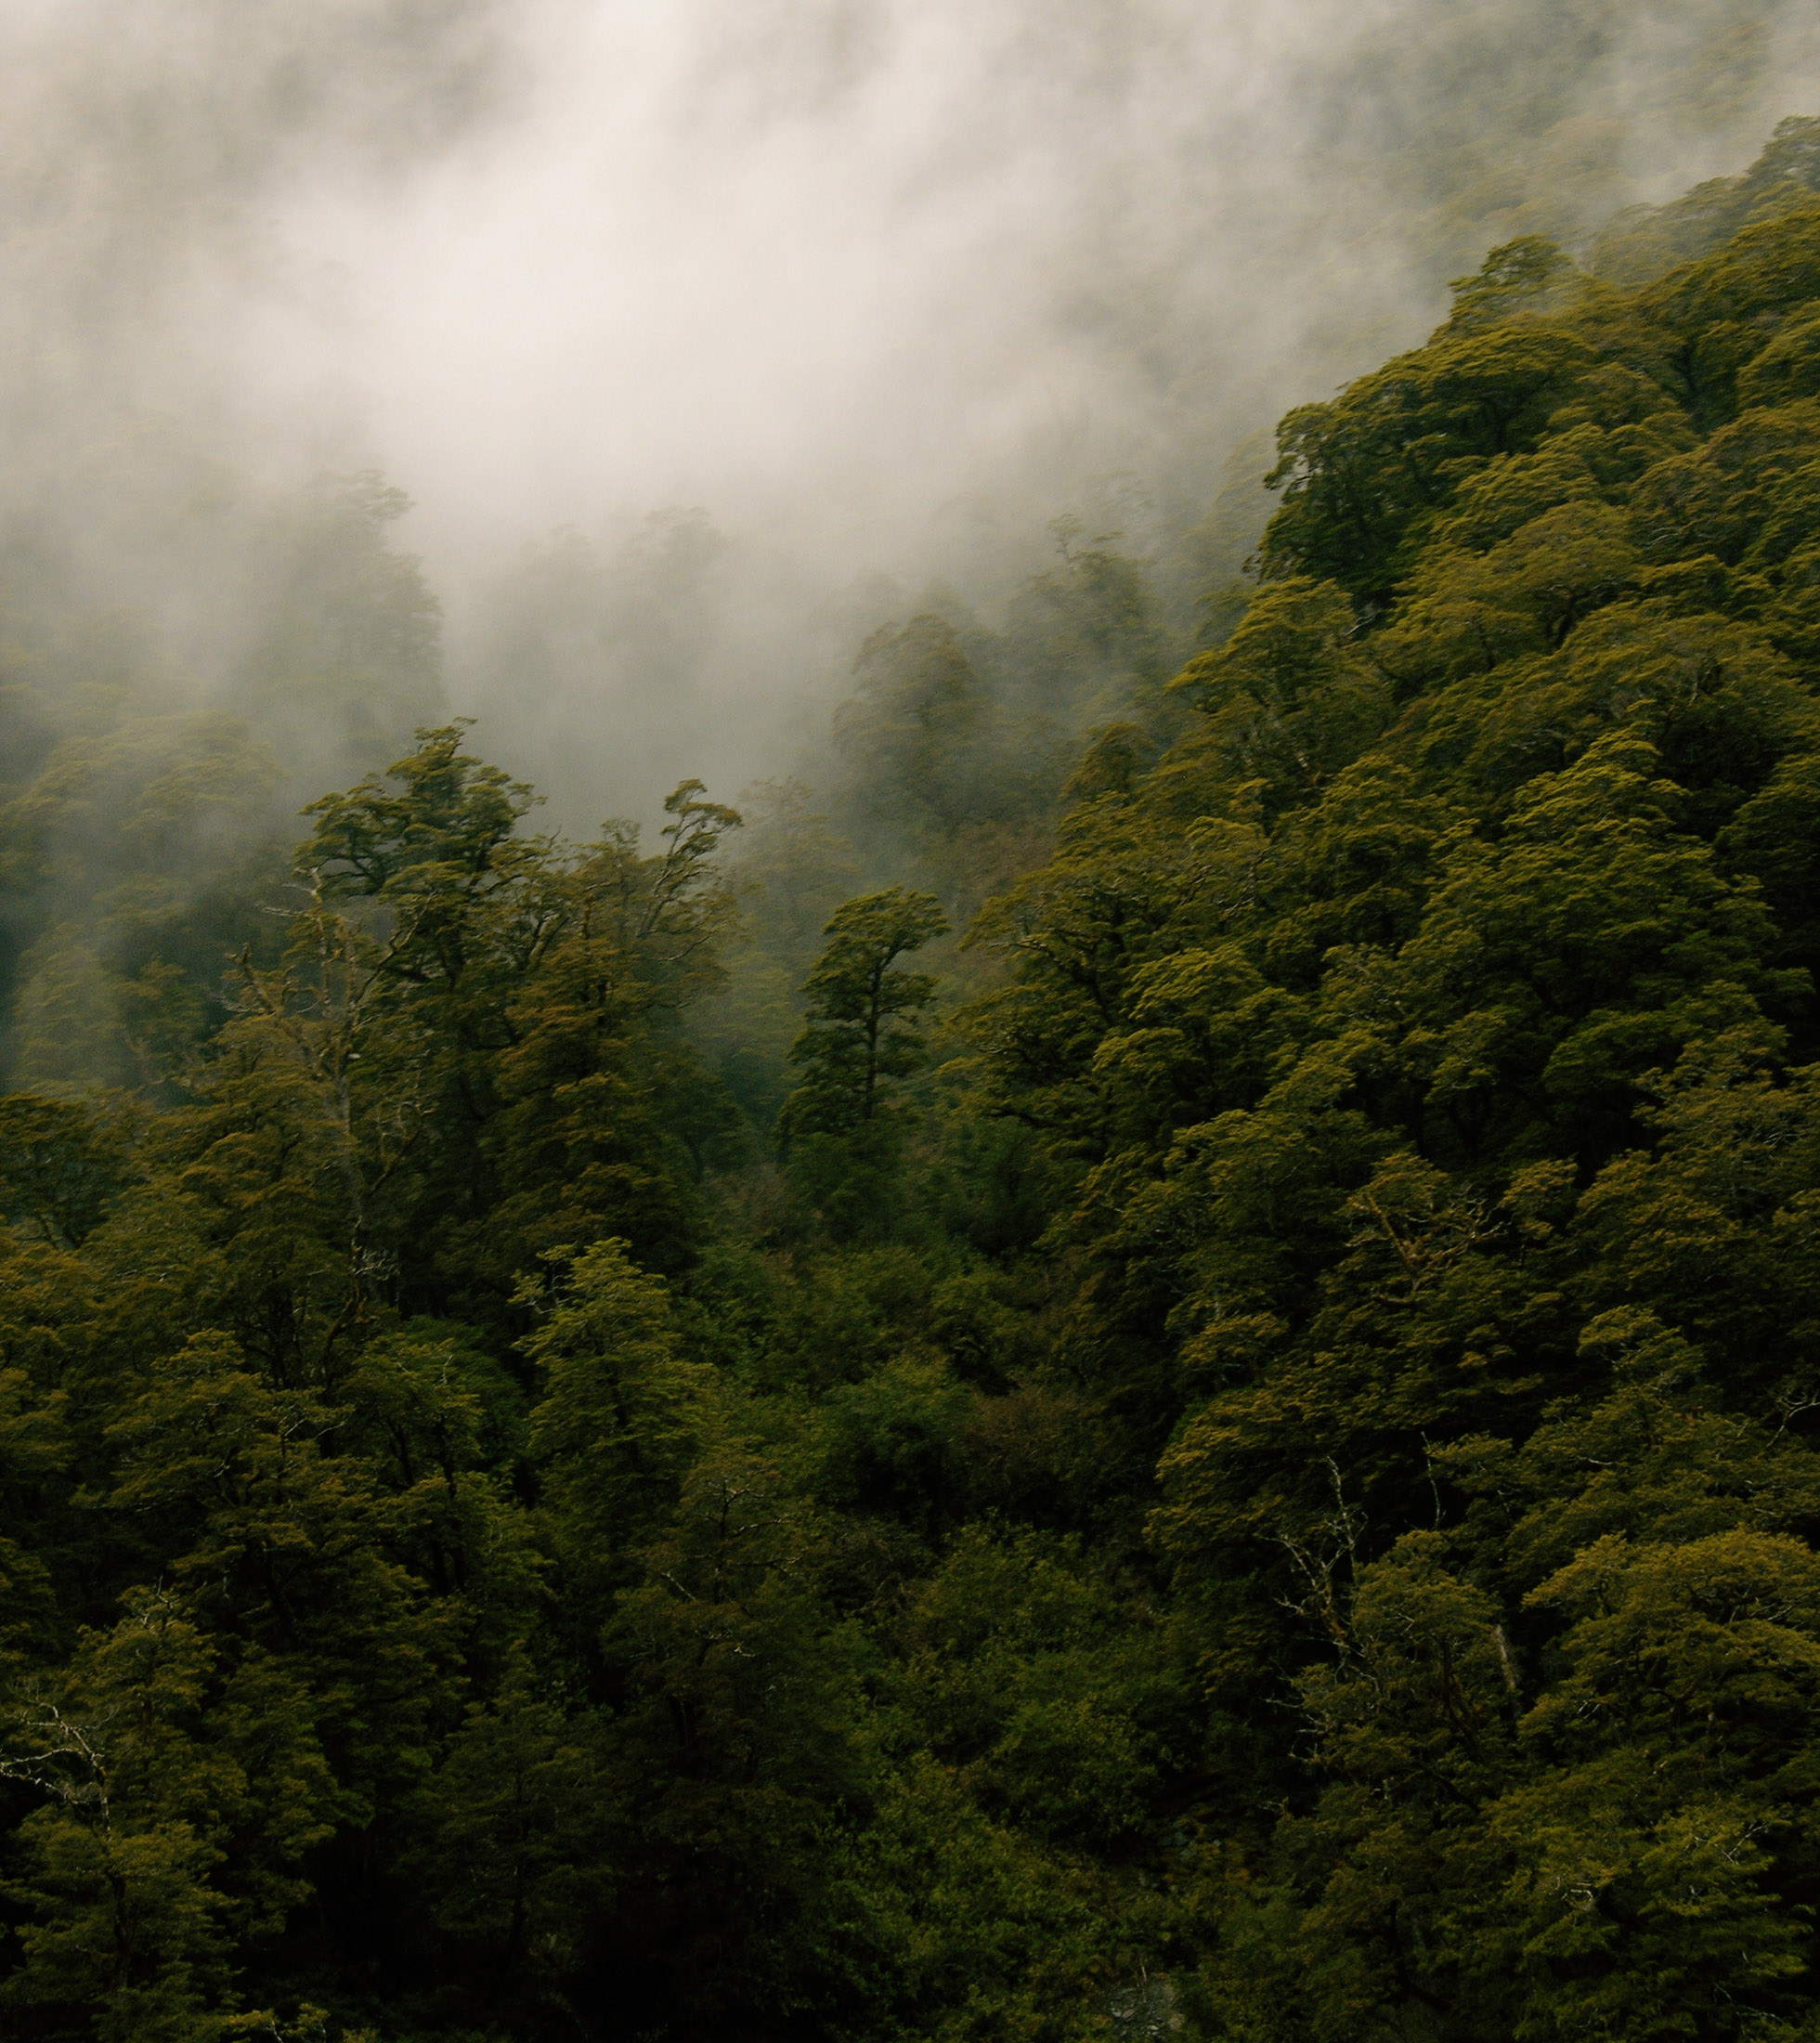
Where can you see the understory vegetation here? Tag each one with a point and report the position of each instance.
(1151, 1367)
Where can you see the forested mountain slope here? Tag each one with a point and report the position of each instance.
(1256, 1478)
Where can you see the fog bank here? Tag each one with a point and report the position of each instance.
(850, 290)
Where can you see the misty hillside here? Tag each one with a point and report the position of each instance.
(1106, 1324)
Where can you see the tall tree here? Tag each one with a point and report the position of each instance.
(864, 1030)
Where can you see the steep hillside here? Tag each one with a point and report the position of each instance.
(1235, 1457)
(1421, 1050)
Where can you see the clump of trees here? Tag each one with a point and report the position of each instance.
(1233, 1455)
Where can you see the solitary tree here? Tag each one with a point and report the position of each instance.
(863, 1030)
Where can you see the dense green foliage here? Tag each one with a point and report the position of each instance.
(1234, 1456)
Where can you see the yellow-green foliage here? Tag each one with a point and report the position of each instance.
(1254, 1478)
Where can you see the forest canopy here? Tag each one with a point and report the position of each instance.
(1153, 1369)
